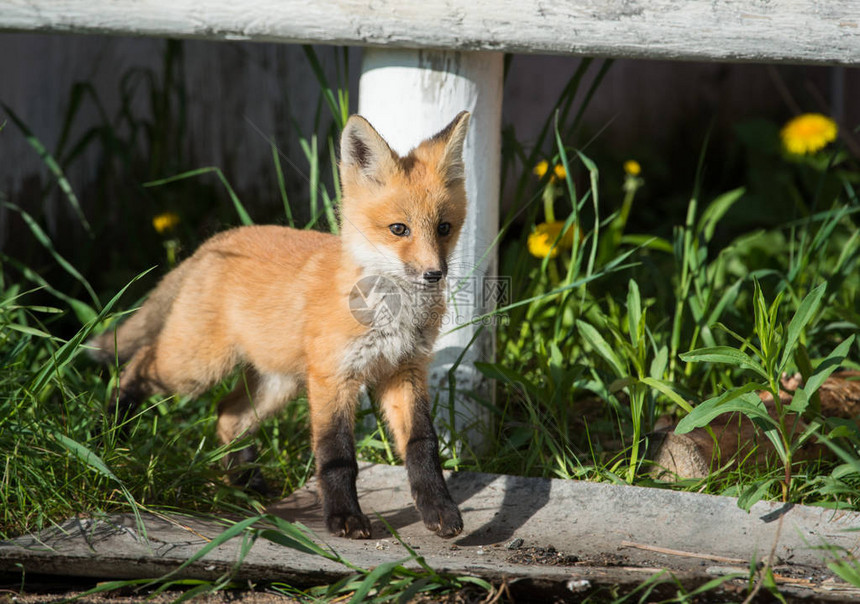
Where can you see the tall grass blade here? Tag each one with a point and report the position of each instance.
(53, 166)
(46, 242)
(282, 186)
(295, 536)
(70, 349)
(326, 89)
(222, 538)
(376, 579)
(244, 217)
(88, 458)
(83, 311)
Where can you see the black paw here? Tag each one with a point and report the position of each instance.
(252, 480)
(244, 477)
(118, 418)
(353, 526)
(441, 516)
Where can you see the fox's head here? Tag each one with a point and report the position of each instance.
(401, 216)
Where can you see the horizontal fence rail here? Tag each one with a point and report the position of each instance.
(794, 31)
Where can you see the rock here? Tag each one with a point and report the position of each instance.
(696, 454)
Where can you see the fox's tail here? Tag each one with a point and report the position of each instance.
(142, 328)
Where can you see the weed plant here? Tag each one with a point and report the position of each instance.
(608, 329)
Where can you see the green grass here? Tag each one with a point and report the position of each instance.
(618, 329)
(676, 326)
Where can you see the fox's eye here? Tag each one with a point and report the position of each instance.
(444, 228)
(399, 229)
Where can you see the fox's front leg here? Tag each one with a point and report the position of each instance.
(332, 409)
(406, 403)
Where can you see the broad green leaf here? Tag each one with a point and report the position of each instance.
(842, 428)
(723, 354)
(28, 330)
(844, 471)
(634, 311)
(831, 363)
(745, 402)
(659, 363)
(665, 388)
(807, 309)
(811, 430)
(593, 337)
(772, 433)
(716, 210)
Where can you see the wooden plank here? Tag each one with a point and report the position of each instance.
(638, 531)
(797, 31)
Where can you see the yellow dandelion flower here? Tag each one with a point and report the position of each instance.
(632, 167)
(165, 222)
(808, 133)
(541, 239)
(540, 168)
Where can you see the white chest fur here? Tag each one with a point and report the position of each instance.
(402, 326)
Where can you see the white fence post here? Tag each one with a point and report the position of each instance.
(409, 95)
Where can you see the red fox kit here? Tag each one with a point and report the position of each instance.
(302, 310)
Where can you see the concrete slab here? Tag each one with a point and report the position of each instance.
(569, 533)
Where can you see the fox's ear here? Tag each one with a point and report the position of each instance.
(363, 152)
(453, 137)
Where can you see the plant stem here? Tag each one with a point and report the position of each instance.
(548, 201)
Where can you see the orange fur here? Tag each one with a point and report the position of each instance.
(276, 301)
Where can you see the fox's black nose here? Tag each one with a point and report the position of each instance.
(432, 276)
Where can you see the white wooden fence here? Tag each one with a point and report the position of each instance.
(796, 31)
(431, 59)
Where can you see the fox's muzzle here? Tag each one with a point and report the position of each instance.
(433, 276)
